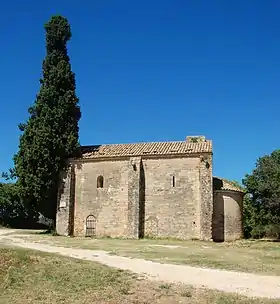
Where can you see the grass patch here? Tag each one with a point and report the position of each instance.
(247, 256)
(39, 278)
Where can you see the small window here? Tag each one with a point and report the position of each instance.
(173, 181)
(100, 181)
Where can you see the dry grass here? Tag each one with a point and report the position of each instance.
(38, 278)
(246, 256)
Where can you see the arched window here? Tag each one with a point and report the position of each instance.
(100, 181)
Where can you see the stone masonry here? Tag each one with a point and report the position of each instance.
(139, 190)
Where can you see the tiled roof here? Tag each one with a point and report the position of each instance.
(224, 184)
(147, 149)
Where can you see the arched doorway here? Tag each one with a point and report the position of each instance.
(91, 226)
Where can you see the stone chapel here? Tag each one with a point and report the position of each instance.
(154, 189)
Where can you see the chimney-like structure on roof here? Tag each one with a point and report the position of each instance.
(196, 139)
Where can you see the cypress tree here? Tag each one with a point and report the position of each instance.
(50, 135)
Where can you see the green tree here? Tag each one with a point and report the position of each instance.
(262, 205)
(11, 210)
(50, 135)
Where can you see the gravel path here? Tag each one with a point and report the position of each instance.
(251, 285)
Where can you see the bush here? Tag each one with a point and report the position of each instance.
(257, 232)
(272, 231)
(13, 213)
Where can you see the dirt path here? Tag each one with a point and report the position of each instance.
(246, 284)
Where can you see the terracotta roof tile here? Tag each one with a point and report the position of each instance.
(150, 148)
(224, 184)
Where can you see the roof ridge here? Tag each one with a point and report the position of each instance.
(147, 142)
(146, 148)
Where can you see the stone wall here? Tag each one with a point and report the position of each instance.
(141, 197)
(134, 168)
(109, 205)
(65, 204)
(227, 215)
(206, 197)
(172, 210)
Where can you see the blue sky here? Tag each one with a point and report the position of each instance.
(154, 70)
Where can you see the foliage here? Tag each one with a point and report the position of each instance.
(50, 135)
(9, 203)
(10, 175)
(262, 203)
(12, 212)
